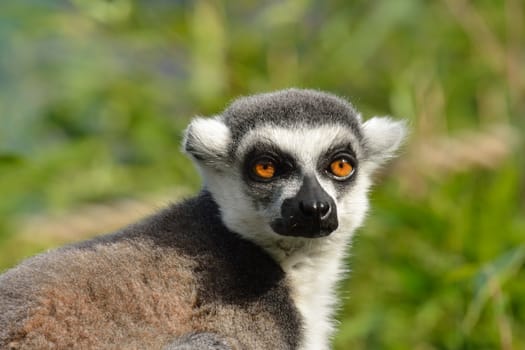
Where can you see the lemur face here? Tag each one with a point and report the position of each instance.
(294, 163)
(296, 177)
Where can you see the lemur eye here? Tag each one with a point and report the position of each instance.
(264, 169)
(341, 168)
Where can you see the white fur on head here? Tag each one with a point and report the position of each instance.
(383, 136)
(207, 140)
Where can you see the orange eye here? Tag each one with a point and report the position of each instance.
(341, 168)
(264, 169)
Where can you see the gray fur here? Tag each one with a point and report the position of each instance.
(204, 341)
(124, 290)
(289, 108)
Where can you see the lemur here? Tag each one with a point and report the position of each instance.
(251, 262)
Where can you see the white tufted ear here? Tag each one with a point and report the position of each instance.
(383, 136)
(207, 140)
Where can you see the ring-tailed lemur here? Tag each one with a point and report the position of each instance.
(249, 263)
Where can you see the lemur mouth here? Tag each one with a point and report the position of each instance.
(304, 228)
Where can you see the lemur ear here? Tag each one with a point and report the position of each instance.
(207, 140)
(383, 136)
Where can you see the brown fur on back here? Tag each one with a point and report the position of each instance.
(110, 296)
(147, 285)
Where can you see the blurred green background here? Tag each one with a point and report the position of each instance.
(94, 95)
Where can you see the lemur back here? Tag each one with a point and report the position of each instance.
(175, 273)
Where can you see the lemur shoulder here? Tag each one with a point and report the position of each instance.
(251, 262)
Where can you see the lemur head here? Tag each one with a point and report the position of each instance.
(293, 163)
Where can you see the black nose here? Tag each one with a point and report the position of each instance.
(315, 209)
(312, 213)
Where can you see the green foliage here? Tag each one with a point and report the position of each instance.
(94, 95)
(446, 269)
